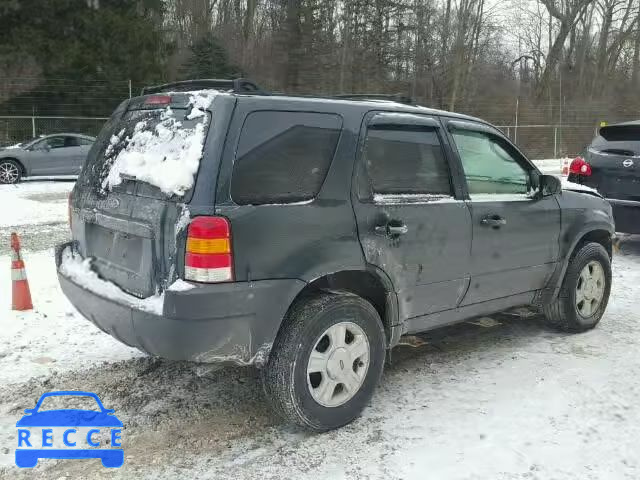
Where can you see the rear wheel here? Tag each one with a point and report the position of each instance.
(10, 171)
(326, 361)
(585, 291)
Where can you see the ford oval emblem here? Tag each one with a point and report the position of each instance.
(111, 203)
(628, 162)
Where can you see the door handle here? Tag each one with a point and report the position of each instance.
(495, 221)
(391, 230)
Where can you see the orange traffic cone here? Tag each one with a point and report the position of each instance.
(21, 293)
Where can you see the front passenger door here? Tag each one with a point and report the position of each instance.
(515, 234)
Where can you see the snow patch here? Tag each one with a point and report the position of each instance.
(411, 198)
(79, 270)
(567, 185)
(180, 286)
(167, 156)
(183, 220)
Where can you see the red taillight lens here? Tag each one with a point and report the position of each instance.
(209, 258)
(157, 100)
(580, 167)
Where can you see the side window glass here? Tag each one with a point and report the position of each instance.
(56, 142)
(406, 160)
(488, 166)
(71, 142)
(283, 157)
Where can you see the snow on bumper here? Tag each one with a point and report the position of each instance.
(229, 322)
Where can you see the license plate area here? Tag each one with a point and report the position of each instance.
(121, 258)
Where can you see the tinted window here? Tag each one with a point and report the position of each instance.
(406, 159)
(488, 165)
(283, 157)
(85, 141)
(52, 142)
(71, 142)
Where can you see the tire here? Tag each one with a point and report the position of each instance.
(310, 326)
(567, 313)
(10, 171)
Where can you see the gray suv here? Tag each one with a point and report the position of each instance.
(310, 234)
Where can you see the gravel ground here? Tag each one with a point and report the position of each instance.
(507, 399)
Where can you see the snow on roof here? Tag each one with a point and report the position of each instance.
(567, 185)
(166, 156)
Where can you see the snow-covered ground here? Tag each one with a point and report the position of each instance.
(507, 399)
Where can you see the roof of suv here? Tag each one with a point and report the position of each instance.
(365, 103)
(242, 87)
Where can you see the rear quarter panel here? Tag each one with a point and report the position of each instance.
(301, 241)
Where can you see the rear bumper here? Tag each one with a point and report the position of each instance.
(228, 322)
(626, 214)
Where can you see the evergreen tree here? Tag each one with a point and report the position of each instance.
(208, 59)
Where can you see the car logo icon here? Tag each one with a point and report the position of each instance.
(69, 433)
(628, 162)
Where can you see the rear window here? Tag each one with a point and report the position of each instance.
(283, 157)
(160, 147)
(618, 140)
(621, 133)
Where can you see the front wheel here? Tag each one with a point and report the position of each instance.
(585, 291)
(326, 361)
(10, 171)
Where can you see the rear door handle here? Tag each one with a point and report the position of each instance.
(495, 221)
(391, 230)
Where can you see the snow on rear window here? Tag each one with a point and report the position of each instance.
(163, 152)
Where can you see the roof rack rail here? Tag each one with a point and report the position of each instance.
(238, 85)
(395, 97)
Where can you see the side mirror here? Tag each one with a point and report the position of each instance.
(549, 185)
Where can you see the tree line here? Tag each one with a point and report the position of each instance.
(537, 57)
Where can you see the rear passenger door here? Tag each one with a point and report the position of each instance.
(412, 221)
(515, 235)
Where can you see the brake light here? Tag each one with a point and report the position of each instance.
(209, 258)
(157, 100)
(580, 167)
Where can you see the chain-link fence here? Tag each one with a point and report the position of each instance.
(20, 128)
(550, 141)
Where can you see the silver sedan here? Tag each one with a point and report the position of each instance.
(50, 155)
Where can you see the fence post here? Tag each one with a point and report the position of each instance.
(33, 126)
(555, 142)
(515, 129)
(129, 88)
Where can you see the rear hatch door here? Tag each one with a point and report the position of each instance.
(132, 190)
(614, 157)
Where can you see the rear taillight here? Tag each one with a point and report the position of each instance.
(157, 100)
(209, 258)
(580, 167)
